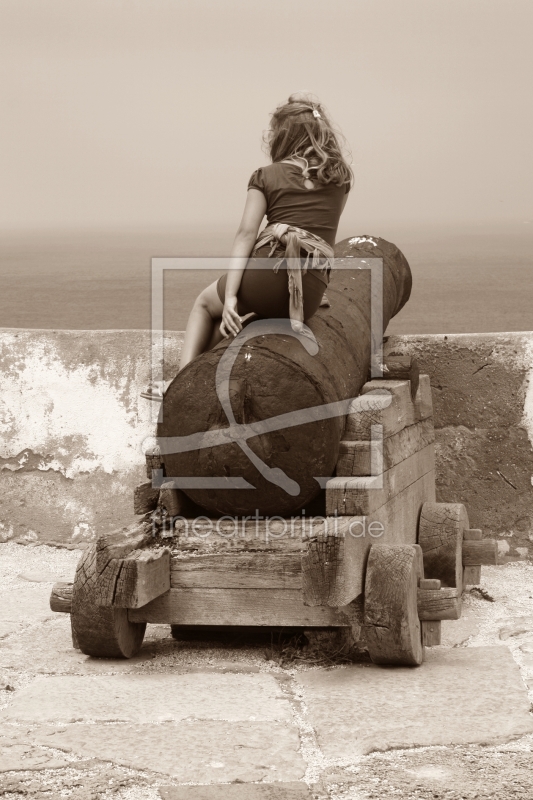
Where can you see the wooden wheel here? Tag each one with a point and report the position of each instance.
(440, 535)
(392, 627)
(104, 632)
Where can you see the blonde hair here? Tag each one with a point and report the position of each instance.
(300, 128)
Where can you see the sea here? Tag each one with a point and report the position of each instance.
(466, 278)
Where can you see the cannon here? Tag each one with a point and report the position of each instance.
(381, 566)
(272, 376)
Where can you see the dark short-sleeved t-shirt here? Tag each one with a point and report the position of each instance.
(316, 210)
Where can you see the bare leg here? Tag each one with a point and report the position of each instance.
(202, 333)
(202, 326)
(216, 336)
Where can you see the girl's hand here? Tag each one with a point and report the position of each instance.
(231, 322)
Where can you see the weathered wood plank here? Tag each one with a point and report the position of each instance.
(111, 549)
(119, 543)
(237, 571)
(153, 461)
(395, 522)
(431, 632)
(145, 498)
(173, 500)
(472, 575)
(441, 538)
(481, 552)
(61, 597)
(423, 400)
(361, 496)
(402, 367)
(143, 576)
(429, 583)
(399, 516)
(381, 402)
(322, 568)
(472, 535)
(233, 535)
(275, 607)
(357, 459)
(435, 604)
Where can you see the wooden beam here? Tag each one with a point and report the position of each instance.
(110, 551)
(480, 552)
(145, 498)
(381, 402)
(434, 604)
(323, 569)
(393, 523)
(61, 597)
(472, 535)
(119, 543)
(429, 583)
(237, 571)
(143, 576)
(357, 458)
(402, 367)
(423, 400)
(153, 461)
(431, 632)
(234, 535)
(272, 607)
(361, 496)
(173, 500)
(440, 535)
(472, 575)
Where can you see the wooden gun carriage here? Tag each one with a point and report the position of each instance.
(385, 564)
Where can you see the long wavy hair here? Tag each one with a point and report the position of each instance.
(301, 129)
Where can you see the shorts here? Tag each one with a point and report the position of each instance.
(266, 293)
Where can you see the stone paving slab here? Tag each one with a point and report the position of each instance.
(7, 628)
(29, 604)
(19, 757)
(456, 631)
(51, 651)
(457, 696)
(149, 698)
(238, 791)
(41, 576)
(516, 626)
(204, 751)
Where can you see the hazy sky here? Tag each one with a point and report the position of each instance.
(150, 112)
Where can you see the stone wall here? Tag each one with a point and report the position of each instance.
(72, 426)
(482, 387)
(72, 429)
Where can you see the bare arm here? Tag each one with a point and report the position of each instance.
(245, 238)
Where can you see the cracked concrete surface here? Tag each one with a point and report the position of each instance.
(195, 720)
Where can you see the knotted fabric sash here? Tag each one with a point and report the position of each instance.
(297, 239)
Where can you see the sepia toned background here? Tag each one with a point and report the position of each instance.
(130, 129)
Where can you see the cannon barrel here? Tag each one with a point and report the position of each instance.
(276, 374)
